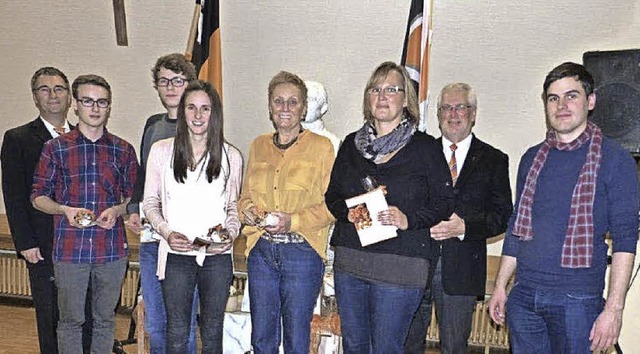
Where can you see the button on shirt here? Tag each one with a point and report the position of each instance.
(77, 172)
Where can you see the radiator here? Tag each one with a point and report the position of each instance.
(484, 333)
(14, 279)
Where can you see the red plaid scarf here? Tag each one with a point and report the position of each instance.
(577, 250)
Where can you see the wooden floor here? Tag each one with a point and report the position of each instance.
(18, 332)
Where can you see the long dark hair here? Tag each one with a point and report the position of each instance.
(182, 151)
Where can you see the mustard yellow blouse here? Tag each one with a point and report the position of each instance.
(292, 181)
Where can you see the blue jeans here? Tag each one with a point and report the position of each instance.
(375, 316)
(72, 281)
(155, 315)
(213, 279)
(546, 321)
(284, 283)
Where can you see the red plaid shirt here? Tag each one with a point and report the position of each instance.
(77, 172)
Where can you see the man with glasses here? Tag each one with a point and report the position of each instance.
(171, 75)
(85, 178)
(32, 230)
(482, 193)
(573, 188)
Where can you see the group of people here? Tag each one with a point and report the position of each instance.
(446, 196)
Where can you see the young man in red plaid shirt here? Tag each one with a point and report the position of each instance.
(88, 170)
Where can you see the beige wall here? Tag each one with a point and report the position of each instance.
(503, 48)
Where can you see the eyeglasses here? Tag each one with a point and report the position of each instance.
(389, 90)
(46, 90)
(279, 102)
(457, 108)
(175, 82)
(89, 102)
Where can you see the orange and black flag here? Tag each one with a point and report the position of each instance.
(415, 55)
(207, 55)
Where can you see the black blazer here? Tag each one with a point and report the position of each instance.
(483, 200)
(21, 148)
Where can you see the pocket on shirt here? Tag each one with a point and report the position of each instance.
(301, 176)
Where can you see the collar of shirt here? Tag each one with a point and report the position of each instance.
(50, 127)
(461, 151)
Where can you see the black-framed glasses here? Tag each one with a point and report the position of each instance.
(389, 90)
(456, 108)
(46, 90)
(175, 81)
(90, 102)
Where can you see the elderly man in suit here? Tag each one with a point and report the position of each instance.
(480, 177)
(32, 230)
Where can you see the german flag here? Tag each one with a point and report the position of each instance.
(207, 54)
(415, 54)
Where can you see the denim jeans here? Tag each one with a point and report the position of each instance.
(284, 283)
(547, 321)
(72, 281)
(213, 280)
(375, 316)
(155, 315)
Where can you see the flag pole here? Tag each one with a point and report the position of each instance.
(193, 31)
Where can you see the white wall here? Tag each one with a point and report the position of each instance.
(503, 48)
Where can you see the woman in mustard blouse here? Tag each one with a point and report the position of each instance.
(287, 174)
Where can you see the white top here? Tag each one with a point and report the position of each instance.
(461, 151)
(50, 127)
(193, 207)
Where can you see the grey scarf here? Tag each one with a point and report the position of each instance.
(374, 148)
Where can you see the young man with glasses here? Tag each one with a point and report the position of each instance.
(482, 194)
(171, 75)
(88, 171)
(32, 230)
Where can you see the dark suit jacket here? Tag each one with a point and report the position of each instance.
(20, 154)
(483, 200)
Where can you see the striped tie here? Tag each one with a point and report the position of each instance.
(453, 166)
(59, 130)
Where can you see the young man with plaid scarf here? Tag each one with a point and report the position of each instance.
(572, 189)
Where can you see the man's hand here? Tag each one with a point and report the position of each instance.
(179, 242)
(107, 218)
(497, 305)
(32, 255)
(453, 227)
(283, 225)
(218, 248)
(71, 212)
(605, 330)
(393, 216)
(134, 223)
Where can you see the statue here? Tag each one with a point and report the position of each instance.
(317, 106)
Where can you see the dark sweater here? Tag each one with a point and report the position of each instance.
(417, 181)
(615, 211)
(158, 127)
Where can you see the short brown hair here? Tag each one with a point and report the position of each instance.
(175, 62)
(285, 77)
(90, 79)
(48, 71)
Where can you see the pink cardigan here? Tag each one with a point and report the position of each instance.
(159, 160)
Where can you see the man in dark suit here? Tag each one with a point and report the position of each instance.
(480, 177)
(32, 230)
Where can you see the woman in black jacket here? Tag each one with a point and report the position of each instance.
(379, 286)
